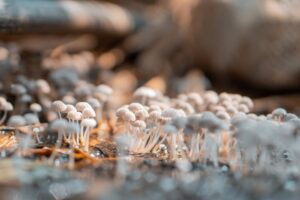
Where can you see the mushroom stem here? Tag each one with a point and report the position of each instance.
(3, 117)
(57, 146)
(87, 139)
(37, 136)
(71, 157)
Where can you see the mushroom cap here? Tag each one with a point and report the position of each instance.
(145, 92)
(194, 120)
(243, 108)
(238, 118)
(35, 107)
(279, 112)
(247, 101)
(210, 121)
(104, 89)
(173, 113)
(74, 115)
(120, 113)
(43, 86)
(139, 124)
(26, 98)
(2, 102)
(185, 106)
(195, 99)
(80, 106)
(31, 119)
(18, 89)
(16, 121)
(91, 123)
(135, 107)
(141, 114)
(69, 99)
(129, 116)
(7, 106)
(290, 116)
(58, 106)
(154, 115)
(223, 115)
(88, 113)
(95, 103)
(211, 97)
(69, 108)
(154, 107)
(224, 96)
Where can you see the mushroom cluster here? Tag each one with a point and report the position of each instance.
(76, 123)
(208, 128)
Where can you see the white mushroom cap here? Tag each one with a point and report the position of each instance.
(195, 99)
(121, 112)
(211, 97)
(91, 123)
(95, 103)
(185, 106)
(279, 113)
(2, 102)
(218, 108)
(16, 121)
(223, 115)
(69, 99)
(74, 115)
(231, 110)
(80, 106)
(247, 101)
(154, 115)
(225, 96)
(69, 108)
(154, 108)
(145, 92)
(104, 89)
(31, 119)
(243, 108)
(129, 116)
(88, 113)
(43, 86)
(290, 116)
(141, 114)
(135, 107)
(139, 124)
(173, 113)
(58, 106)
(35, 107)
(7, 107)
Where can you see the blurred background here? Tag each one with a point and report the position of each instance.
(238, 46)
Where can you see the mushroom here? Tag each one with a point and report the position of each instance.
(59, 126)
(5, 107)
(89, 124)
(58, 107)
